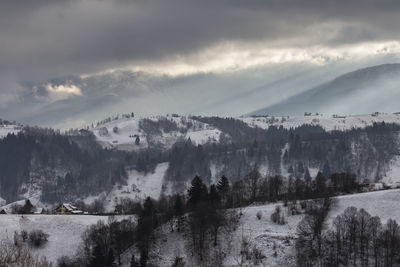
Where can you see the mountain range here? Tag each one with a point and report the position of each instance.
(365, 90)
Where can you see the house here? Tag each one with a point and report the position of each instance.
(67, 208)
(39, 211)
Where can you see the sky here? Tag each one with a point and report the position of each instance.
(66, 63)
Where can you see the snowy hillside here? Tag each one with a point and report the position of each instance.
(275, 241)
(122, 133)
(340, 123)
(9, 129)
(138, 187)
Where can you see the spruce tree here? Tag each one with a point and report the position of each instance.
(326, 171)
(197, 192)
(223, 185)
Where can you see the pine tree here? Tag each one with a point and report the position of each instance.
(320, 181)
(307, 176)
(223, 185)
(197, 192)
(326, 171)
(27, 208)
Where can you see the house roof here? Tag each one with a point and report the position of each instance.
(71, 208)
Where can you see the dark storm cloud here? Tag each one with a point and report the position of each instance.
(42, 40)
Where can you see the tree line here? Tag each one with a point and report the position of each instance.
(355, 238)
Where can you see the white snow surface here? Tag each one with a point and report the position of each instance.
(8, 129)
(341, 123)
(128, 128)
(382, 203)
(139, 186)
(393, 173)
(64, 231)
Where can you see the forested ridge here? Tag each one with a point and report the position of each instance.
(67, 166)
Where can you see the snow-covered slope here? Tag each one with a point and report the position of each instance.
(380, 203)
(340, 123)
(275, 241)
(64, 231)
(121, 133)
(138, 187)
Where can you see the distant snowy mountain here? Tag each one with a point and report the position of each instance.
(366, 90)
(7, 127)
(328, 123)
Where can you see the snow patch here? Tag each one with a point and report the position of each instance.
(139, 186)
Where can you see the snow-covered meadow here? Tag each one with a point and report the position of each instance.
(275, 241)
(121, 133)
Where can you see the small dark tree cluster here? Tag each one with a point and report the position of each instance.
(277, 216)
(354, 239)
(37, 238)
(103, 243)
(206, 217)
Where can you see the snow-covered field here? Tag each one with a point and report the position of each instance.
(341, 123)
(64, 231)
(121, 133)
(275, 241)
(380, 203)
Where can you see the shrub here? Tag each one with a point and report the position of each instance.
(258, 256)
(37, 238)
(277, 216)
(12, 255)
(259, 215)
(24, 235)
(178, 262)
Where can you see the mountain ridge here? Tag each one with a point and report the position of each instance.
(352, 93)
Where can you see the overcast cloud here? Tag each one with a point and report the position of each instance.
(44, 40)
